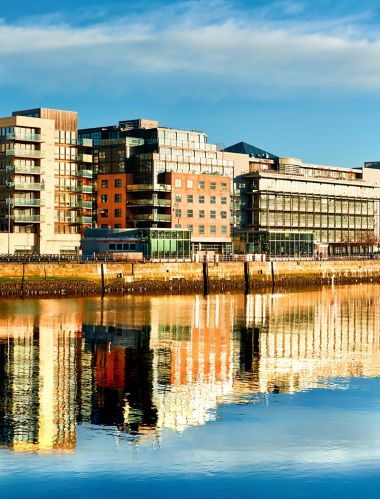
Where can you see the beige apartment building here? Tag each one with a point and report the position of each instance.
(45, 182)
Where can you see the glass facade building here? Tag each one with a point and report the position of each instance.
(339, 206)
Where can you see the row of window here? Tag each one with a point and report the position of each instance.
(202, 228)
(116, 183)
(201, 199)
(201, 184)
(122, 246)
(104, 198)
(201, 213)
(117, 213)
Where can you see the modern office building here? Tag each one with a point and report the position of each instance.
(136, 243)
(144, 173)
(292, 208)
(45, 182)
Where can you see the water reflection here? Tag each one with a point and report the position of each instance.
(144, 364)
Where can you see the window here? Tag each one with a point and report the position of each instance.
(117, 198)
(201, 184)
(178, 212)
(201, 229)
(224, 229)
(201, 199)
(117, 226)
(213, 199)
(223, 200)
(177, 226)
(104, 184)
(189, 198)
(201, 213)
(190, 213)
(118, 213)
(117, 182)
(104, 226)
(104, 213)
(212, 229)
(223, 214)
(189, 184)
(178, 198)
(103, 198)
(224, 186)
(112, 246)
(178, 182)
(190, 227)
(212, 185)
(212, 214)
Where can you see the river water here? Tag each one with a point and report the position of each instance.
(271, 395)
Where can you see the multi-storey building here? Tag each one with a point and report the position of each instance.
(144, 169)
(293, 208)
(45, 182)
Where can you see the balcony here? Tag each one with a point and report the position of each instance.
(84, 220)
(149, 202)
(84, 173)
(149, 217)
(149, 187)
(25, 137)
(27, 218)
(86, 189)
(24, 186)
(17, 201)
(32, 170)
(81, 204)
(85, 142)
(84, 158)
(25, 153)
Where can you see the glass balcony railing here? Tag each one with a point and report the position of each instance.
(25, 153)
(87, 189)
(149, 187)
(27, 218)
(149, 202)
(32, 170)
(25, 137)
(84, 142)
(81, 204)
(24, 186)
(17, 201)
(152, 217)
(84, 158)
(84, 173)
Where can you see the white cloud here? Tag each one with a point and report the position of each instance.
(200, 49)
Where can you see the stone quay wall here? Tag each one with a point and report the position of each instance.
(49, 279)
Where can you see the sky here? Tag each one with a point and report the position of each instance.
(296, 78)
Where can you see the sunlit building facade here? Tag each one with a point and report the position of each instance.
(45, 182)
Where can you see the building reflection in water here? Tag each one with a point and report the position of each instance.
(144, 364)
(38, 372)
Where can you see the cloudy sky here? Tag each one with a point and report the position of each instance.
(297, 78)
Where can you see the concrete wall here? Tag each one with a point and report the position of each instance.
(285, 273)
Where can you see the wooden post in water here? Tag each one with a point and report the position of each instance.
(103, 284)
(22, 281)
(205, 278)
(272, 273)
(246, 277)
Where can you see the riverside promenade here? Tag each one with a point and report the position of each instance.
(81, 279)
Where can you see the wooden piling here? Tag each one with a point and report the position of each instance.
(272, 274)
(246, 277)
(205, 278)
(103, 283)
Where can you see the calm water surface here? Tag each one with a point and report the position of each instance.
(264, 395)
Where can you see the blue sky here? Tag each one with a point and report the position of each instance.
(298, 78)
